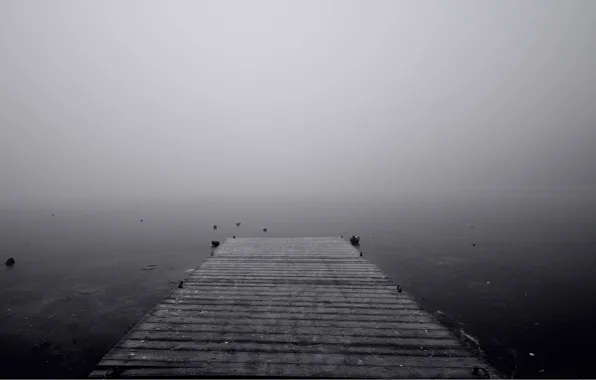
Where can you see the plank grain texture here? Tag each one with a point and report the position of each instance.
(295, 307)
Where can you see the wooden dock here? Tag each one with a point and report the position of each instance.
(301, 307)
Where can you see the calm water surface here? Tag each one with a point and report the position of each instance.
(519, 274)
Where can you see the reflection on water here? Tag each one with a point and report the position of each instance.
(516, 274)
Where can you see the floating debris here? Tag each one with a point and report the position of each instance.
(10, 262)
(355, 240)
(214, 243)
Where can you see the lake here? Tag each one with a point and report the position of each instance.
(518, 273)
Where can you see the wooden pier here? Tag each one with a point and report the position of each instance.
(301, 307)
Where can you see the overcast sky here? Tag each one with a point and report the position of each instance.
(104, 99)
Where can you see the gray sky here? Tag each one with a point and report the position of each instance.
(104, 99)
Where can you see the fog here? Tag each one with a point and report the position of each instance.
(147, 99)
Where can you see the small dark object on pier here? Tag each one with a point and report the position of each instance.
(114, 373)
(360, 254)
(215, 226)
(355, 240)
(238, 224)
(180, 284)
(264, 230)
(214, 243)
(234, 237)
(10, 262)
(399, 289)
(211, 254)
(485, 372)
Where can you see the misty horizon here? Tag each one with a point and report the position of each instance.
(154, 100)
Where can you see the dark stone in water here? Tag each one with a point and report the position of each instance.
(10, 262)
(214, 243)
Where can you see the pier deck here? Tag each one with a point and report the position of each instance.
(296, 307)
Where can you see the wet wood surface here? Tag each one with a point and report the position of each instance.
(296, 307)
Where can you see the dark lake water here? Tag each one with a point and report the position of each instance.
(519, 274)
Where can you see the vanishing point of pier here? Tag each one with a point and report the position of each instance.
(299, 307)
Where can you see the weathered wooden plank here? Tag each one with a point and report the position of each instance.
(261, 329)
(268, 279)
(289, 307)
(405, 317)
(284, 282)
(323, 300)
(357, 294)
(302, 310)
(261, 302)
(272, 347)
(291, 358)
(392, 289)
(291, 338)
(383, 289)
(294, 323)
(291, 370)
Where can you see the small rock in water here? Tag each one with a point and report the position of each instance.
(10, 262)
